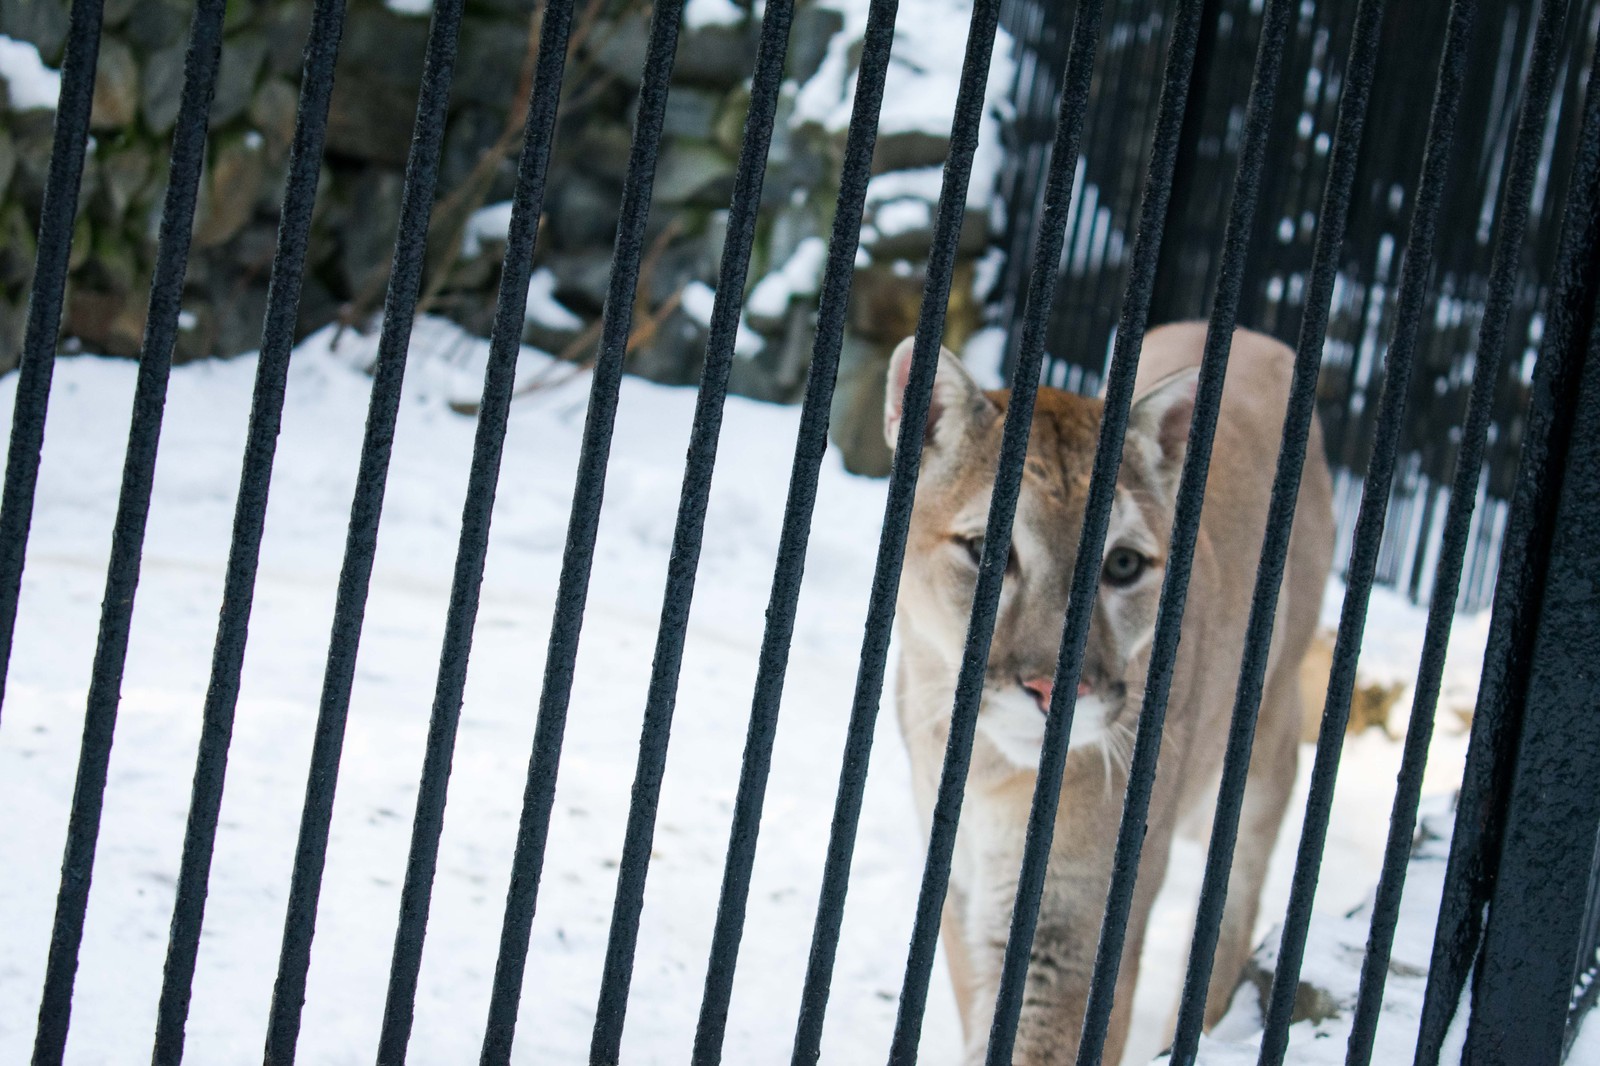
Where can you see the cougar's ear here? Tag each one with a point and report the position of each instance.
(957, 401)
(1158, 426)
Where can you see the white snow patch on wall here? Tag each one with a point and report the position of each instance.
(489, 223)
(923, 79)
(902, 216)
(31, 84)
(918, 183)
(800, 275)
(698, 301)
(698, 14)
(543, 307)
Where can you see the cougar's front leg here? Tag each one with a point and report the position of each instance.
(1061, 968)
(952, 932)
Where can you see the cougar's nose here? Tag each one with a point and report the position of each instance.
(1041, 687)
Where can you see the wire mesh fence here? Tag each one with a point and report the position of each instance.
(1317, 59)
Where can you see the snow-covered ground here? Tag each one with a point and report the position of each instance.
(166, 676)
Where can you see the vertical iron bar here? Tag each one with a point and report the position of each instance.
(810, 446)
(1512, 225)
(1076, 81)
(127, 539)
(266, 416)
(1369, 527)
(1177, 83)
(578, 556)
(1298, 417)
(56, 216)
(1185, 529)
(1521, 995)
(361, 542)
(505, 344)
(896, 522)
(687, 537)
(1497, 721)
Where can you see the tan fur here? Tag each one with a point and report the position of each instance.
(935, 600)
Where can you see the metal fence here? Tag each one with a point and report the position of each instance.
(1361, 314)
(1523, 850)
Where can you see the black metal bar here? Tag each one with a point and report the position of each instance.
(1497, 720)
(505, 344)
(1298, 418)
(1171, 273)
(896, 522)
(1512, 219)
(266, 416)
(361, 541)
(811, 444)
(1369, 528)
(127, 539)
(1177, 83)
(997, 532)
(1185, 530)
(578, 557)
(1524, 984)
(56, 216)
(687, 537)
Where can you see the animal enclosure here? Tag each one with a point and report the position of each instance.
(1514, 953)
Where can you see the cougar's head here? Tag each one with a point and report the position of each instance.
(960, 454)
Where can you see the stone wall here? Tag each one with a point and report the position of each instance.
(372, 110)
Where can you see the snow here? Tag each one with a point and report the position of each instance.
(918, 183)
(543, 307)
(30, 84)
(903, 216)
(489, 223)
(922, 82)
(1334, 950)
(1392, 648)
(982, 354)
(699, 14)
(800, 275)
(698, 301)
(173, 627)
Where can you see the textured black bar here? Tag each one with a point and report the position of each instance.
(1497, 722)
(1512, 224)
(1185, 529)
(1368, 529)
(361, 541)
(127, 538)
(56, 216)
(1523, 987)
(688, 535)
(266, 416)
(810, 445)
(997, 534)
(1145, 257)
(505, 344)
(896, 522)
(578, 557)
(1298, 417)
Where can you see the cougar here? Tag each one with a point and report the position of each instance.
(942, 551)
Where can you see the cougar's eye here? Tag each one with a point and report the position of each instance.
(973, 546)
(1123, 566)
